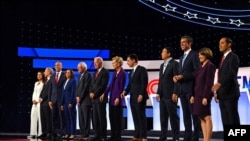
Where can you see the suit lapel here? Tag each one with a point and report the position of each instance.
(161, 69)
(61, 78)
(225, 60)
(166, 69)
(187, 59)
(80, 79)
(100, 72)
(135, 72)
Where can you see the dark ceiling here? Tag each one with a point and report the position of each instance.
(115, 15)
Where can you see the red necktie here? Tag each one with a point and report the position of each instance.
(96, 74)
(57, 79)
(222, 60)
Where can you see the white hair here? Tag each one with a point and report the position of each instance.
(99, 58)
(83, 64)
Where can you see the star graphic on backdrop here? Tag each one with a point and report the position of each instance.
(236, 22)
(213, 20)
(190, 15)
(169, 8)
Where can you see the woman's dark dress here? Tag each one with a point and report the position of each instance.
(204, 80)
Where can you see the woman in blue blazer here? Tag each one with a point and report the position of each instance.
(69, 103)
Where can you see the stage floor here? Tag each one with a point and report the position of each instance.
(152, 136)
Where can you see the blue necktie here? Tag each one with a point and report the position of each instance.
(183, 59)
(132, 73)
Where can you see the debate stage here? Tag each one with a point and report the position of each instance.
(126, 135)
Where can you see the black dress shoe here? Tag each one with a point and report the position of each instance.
(48, 136)
(162, 139)
(110, 139)
(114, 139)
(54, 136)
(95, 139)
(43, 136)
(33, 136)
(103, 139)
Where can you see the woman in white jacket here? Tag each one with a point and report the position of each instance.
(35, 120)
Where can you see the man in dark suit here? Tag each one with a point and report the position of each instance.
(168, 95)
(44, 100)
(137, 87)
(226, 90)
(83, 99)
(99, 84)
(58, 121)
(189, 62)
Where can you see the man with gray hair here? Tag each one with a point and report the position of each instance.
(83, 99)
(99, 84)
(45, 110)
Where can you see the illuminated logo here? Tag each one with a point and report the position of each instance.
(203, 15)
(152, 86)
(244, 84)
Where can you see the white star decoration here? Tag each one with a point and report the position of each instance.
(236, 22)
(169, 8)
(190, 15)
(199, 16)
(213, 20)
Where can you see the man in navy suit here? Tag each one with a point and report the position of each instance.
(226, 90)
(189, 62)
(83, 99)
(55, 98)
(167, 95)
(99, 84)
(137, 87)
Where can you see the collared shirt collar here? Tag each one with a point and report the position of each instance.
(166, 61)
(100, 69)
(59, 72)
(187, 51)
(226, 53)
(134, 68)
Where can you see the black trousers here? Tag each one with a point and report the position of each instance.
(139, 117)
(189, 120)
(229, 111)
(58, 120)
(115, 117)
(45, 113)
(168, 110)
(99, 119)
(84, 113)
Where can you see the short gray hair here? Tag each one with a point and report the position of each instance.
(99, 58)
(83, 64)
(50, 70)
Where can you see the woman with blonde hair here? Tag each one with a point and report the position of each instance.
(115, 102)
